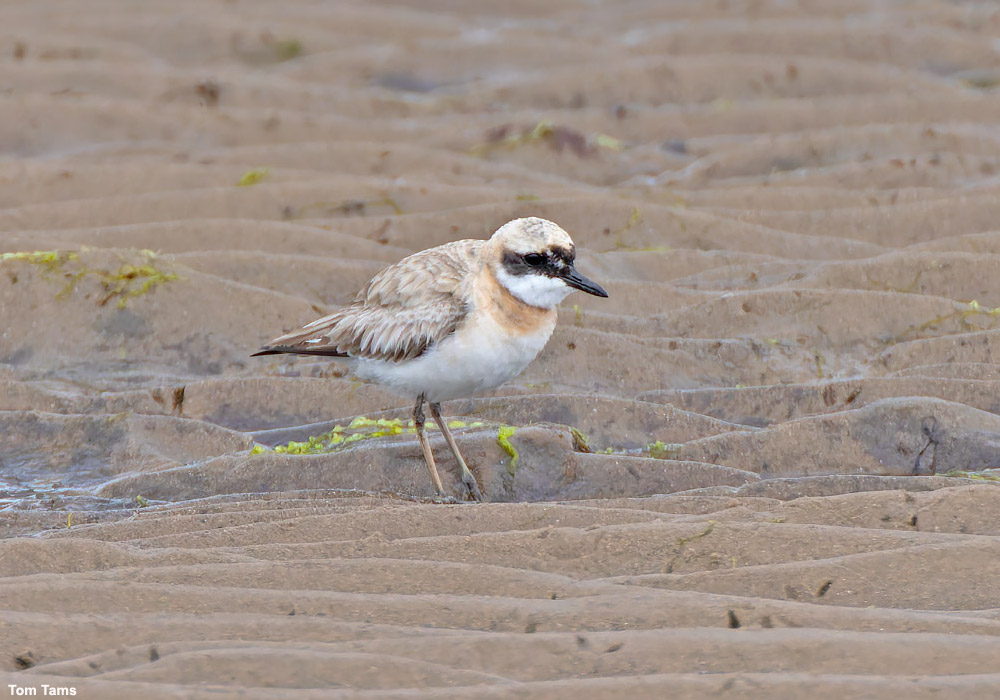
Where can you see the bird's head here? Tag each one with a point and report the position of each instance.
(533, 258)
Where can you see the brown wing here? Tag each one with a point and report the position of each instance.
(404, 310)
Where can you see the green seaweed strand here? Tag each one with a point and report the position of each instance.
(504, 433)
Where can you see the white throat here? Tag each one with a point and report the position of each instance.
(536, 290)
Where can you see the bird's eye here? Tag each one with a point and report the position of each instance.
(534, 259)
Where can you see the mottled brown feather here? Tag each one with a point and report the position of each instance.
(404, 310)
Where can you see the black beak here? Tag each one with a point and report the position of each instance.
(577, 281)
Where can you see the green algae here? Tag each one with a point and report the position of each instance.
(51, 260)
(580, 442)
(985, 475)
(130, 280)
(252, 177)
(980, 80)
(120, 283)
(663, 450)
(684, 541)
(962, 314)
(287, 49)
(619, 240)
(820, 361)
(608, 142)
(504, 433)
(359, 429)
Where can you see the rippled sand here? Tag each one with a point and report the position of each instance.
(764, 467)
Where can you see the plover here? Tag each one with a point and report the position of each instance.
(451, 321)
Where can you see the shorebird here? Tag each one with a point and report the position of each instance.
(451, 321)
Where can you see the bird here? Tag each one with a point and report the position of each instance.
(451, 321)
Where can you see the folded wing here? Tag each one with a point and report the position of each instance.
(404, 310)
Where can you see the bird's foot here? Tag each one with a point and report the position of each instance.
(472, 486)
(442, 499)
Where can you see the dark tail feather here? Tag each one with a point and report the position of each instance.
(293, 350)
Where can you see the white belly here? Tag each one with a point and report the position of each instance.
(478, 357)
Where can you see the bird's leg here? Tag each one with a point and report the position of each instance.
(468, 478)
(418, 423)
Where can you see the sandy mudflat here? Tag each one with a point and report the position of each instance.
(765, 467)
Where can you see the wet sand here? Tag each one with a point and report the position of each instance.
(766, 466)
